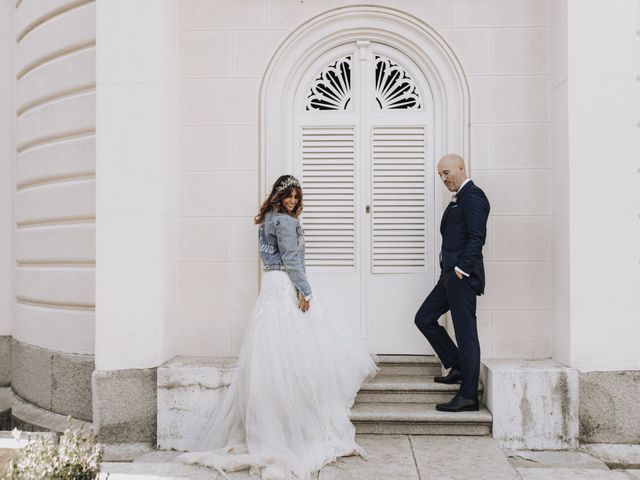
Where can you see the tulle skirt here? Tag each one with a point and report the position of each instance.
(286, 412)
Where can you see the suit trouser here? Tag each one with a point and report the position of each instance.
(452, 293)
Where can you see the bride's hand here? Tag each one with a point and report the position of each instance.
(303, 304)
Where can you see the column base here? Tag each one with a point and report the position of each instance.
(125, 406)
(55, 381)
(609, 407)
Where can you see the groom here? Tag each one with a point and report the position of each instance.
(463, 229)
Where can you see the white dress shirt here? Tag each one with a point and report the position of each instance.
(461, 187)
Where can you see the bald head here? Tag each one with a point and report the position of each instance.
(452, 171)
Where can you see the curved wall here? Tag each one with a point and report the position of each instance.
(54, 203)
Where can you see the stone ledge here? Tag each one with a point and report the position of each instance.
(534, 403)
(203, 372)
(30, 418)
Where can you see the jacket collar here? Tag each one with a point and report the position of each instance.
(464, 188)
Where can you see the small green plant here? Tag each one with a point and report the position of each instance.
(74, 456)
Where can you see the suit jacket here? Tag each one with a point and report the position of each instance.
(464, 231)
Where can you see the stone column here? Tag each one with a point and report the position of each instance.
(135, 155)
(596, 157)
(596, 185)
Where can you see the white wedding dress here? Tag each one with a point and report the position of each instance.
(286, 412)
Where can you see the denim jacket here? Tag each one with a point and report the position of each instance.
(282, 248)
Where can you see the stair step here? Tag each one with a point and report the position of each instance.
(409, 365)
(410, 359)
(410, 369)
(406, 389)
(418, 419)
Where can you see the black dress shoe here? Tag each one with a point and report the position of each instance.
(454, 376)
(459, 404)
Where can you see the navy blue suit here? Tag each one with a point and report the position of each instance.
(464, 230)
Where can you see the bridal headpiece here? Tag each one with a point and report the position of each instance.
(288, 182)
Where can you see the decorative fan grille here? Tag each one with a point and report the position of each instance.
(395, 89)
(332, 89)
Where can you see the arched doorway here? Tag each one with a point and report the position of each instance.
(360, 113)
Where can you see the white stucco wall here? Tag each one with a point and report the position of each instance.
(597, 186)
(224, 49)
(54, 176)
(135, 155)
(7, 87)
(554, 142)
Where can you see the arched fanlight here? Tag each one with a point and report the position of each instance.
(395, 89)
(332, 89)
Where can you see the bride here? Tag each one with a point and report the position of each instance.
(286, 412)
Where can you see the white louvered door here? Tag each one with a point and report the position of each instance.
(362, 151)
(398, 226)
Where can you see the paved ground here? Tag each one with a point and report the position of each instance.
(408, 457)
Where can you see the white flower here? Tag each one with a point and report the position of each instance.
(15, 433)
(74, 455)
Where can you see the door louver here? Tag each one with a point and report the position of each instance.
(399, 204)
(329, 196)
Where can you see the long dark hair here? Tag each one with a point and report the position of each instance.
(281, 189)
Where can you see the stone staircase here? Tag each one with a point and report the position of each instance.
(401, 399)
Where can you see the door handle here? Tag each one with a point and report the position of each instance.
(368, 209)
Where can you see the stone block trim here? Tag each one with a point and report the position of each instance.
(5, 361)
(608, 407)
(534, 403)
(31, 369)
(189, 389)
(125, 405)
(71, 385)
(55, 381)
